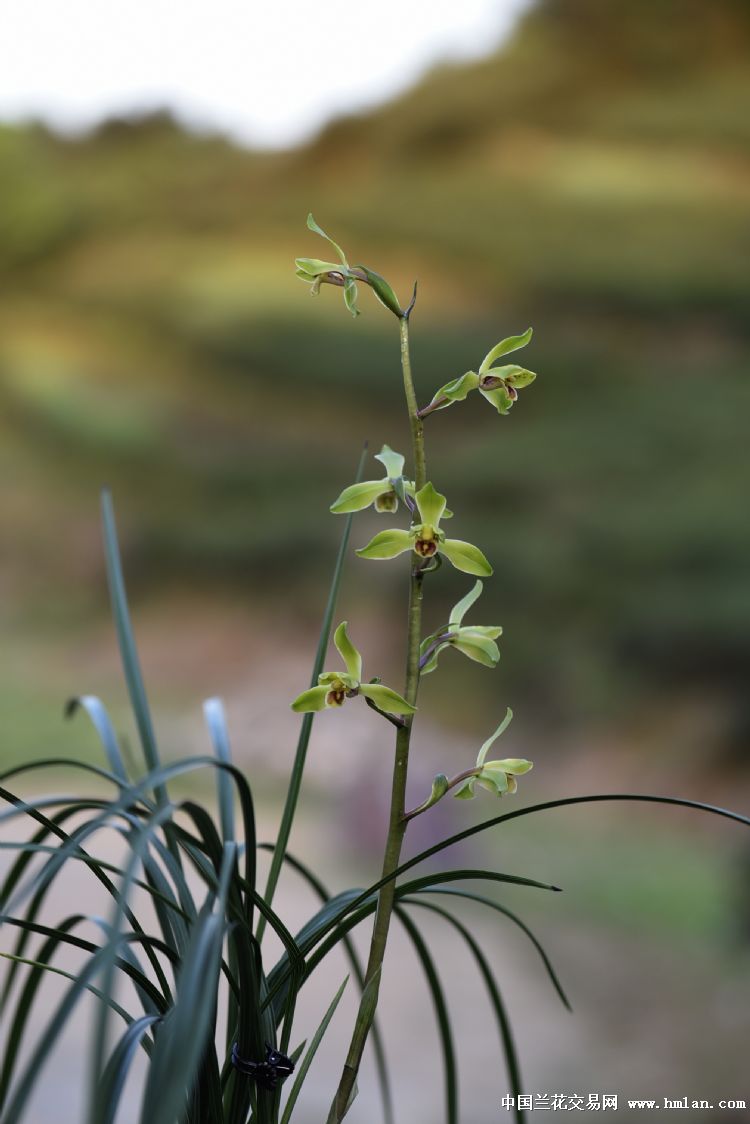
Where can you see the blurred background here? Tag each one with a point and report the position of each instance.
(582, 166)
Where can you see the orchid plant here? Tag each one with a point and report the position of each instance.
(213, 1020)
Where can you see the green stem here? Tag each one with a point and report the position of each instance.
(430, 803)
(397, 822)
(417, 430)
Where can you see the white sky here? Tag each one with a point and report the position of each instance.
(269, 73)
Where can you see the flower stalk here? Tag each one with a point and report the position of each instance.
(428, 547)
(398, 819)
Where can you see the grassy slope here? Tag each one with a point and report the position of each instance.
(592, 179)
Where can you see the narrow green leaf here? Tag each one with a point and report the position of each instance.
(353, 957)
(53, 1027)
(450, 1072)
(118, 1066)
(439, 878)
(138, 841)
(300, 757)
(41, 968)
(184, 1034)
(480, 899)
(517, 813)
(315, 1041)
(128, 652)
(43, 878)
(503, 1022)
(213, 710)
(97, 712)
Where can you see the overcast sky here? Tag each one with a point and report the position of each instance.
(268, 73)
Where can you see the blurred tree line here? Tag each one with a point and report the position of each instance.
(591, 179)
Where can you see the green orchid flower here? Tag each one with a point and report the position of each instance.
(426, 538)
(383, 494)
(499, 385)
(340, 273)
(334, 687)
(475, 641)
(496, 776)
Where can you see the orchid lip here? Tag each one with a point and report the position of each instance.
(388, 501)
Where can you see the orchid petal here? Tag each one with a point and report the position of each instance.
(310, 701)
(392, 461)
(350, 296)
(497, 783)
(517, 377)
(387, 544)
(499, 398)
(348, 652)
(461, 607)
(312, 225)
(431, 505)
(465, 791)
(455, 391)
(358, 496)
(512, 343)
(466, 557)
(491, 632)
(516, 766)
(314, 267)
(493, 737)
(382, 291)
(386, 699)
(478, 648)
(433, 660)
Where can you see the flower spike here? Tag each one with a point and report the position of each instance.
(334, 687)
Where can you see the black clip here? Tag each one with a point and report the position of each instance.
(269, 1073)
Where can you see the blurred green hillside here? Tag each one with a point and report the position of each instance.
(591, 179)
